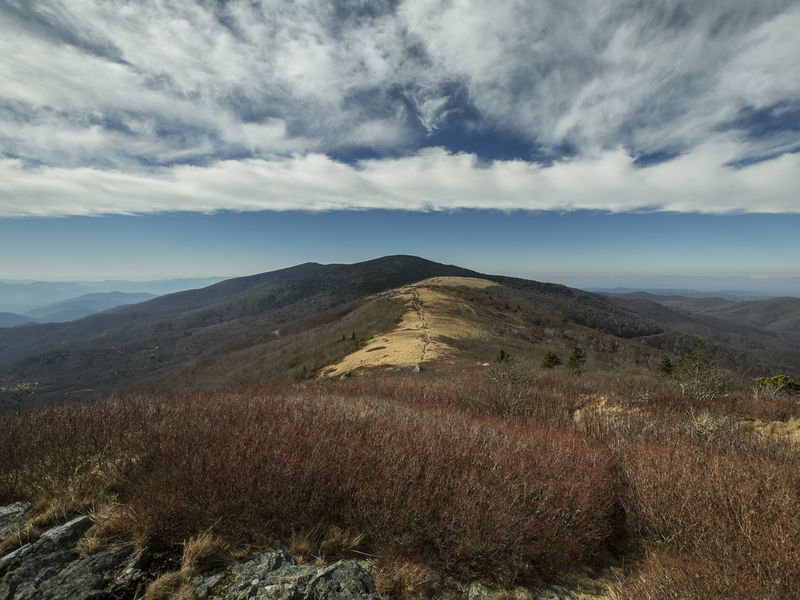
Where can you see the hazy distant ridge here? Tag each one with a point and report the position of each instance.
(23, 297)
(88, 304)
(9, 319)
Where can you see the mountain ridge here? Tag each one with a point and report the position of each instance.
(73, 309)
(297, 320)
(11, 319)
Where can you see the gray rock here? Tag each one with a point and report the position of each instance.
(204, 587)
(263, 564)
(274, 576)
(132, 574)
(343, 580)
(12, 517)
(478, 591)
(50, 542)
(15, 557)
(554, 592)
(50, 568)
(89, 577)
(69, 532)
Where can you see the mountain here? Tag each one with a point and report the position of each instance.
(196, 329)
(88, 304)
(696, 304)
(8, 319)
(308, 319)
(677, 300)
(767, 319)
(157, 287)
(734, 295)
(22, 297)
(781, 315)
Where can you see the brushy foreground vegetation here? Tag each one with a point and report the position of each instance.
(506, 475)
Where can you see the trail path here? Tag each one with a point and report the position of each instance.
(418, 338)
(419, 305)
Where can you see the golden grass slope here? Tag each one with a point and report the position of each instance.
(434, 313)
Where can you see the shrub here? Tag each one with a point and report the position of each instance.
(17, 397)
(777, 385)
(483, 474)
(715, 522)
(550, 360)
(576, 360)
(470, 495)
(504, 357)
(665, 367)
(696, 375)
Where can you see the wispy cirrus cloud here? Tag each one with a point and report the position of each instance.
(145, 106)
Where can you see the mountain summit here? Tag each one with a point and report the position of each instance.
(315, 319)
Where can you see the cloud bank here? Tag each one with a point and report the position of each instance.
(429, 180)
(620, 105)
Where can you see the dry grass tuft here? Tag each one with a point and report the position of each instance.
(515, 594)
(397, 580)
(301, 545)
(90, 544)
(112, 522)
(334, 544)
(13, 540)
(201, 554)
(339, 543)
(204, 553)
(170, 586)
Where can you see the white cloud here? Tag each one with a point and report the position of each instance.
(180, 67)
(429, 180)
(602, 74)
(123, 93)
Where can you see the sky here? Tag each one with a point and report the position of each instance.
(595, 143)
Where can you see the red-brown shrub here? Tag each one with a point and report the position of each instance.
(465, 473)
(472, 495)
(713, 518)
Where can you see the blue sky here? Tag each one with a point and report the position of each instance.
(585, 249)
(587, 142)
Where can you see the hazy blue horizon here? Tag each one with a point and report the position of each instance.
(581, 249)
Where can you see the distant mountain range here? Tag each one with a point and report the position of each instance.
(23, 297)
(305, 320)
(773, 316)
(9, 319)
(735, 295)
(88, 304)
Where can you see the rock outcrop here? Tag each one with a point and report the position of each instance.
(12, 517)
(274, 575)
(51, 568)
